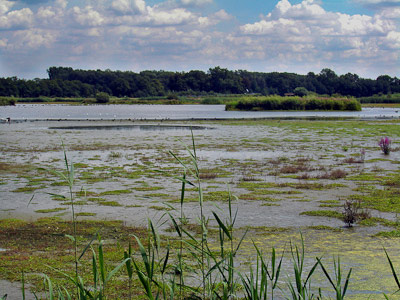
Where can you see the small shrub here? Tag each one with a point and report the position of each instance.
(352, 160)
(352, 213)
(385, 144)
(338, 173)
(301, 91)
(102, 97)
(304, 176)
(289, 170)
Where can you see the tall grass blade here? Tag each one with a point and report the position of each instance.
(101, 261)
(156, 236)
(222, 226)
(145, 281)
(23, 284)
(176, 226)
(165, 264)
(145, 258)
(33, 196)
(49, 286)
(115, 270)
(346, 283)
(326, 273)
(89, 244)
(393, 270)
(95, 271)
(183, 187)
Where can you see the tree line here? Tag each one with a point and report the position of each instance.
(69, 82)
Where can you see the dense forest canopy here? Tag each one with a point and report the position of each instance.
(68, 82)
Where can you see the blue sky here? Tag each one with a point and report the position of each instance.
(356, 36)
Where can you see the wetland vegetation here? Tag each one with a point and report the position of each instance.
(294, 103)
(289, 176)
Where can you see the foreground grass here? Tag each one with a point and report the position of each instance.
(42, 247)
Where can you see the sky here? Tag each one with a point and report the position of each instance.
(299, 36)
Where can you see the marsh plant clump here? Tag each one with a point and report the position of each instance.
(353, 212)
(385, 145)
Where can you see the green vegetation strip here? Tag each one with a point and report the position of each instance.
(294, 103)
(323, 213)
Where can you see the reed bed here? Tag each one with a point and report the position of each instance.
(294, 103)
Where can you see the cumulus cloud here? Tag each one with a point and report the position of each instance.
(306, 34)
(33, 39)
(129, 6)
(306, 27)
(16, 19)
(182, 33)
(87, 16)
(5, 6)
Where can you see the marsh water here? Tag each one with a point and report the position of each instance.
(125, 171)
(172, 112)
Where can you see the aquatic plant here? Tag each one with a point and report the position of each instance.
(352, 212)
(385, 144)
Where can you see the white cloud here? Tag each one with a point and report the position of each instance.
(121, 6)
(169, 17)
(292, 32)
(16, 19)
(390, 13)
(87, 16)
(125, 7)
(61, 3)
(33, 39)
(5, 6)
(393, 38)
(178, 33)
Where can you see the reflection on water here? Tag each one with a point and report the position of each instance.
(132, 127)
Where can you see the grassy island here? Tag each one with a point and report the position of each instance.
(294, 103)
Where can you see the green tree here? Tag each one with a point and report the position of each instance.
(102, 97)
(301, 91)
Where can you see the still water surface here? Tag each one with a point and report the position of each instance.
(172, 112)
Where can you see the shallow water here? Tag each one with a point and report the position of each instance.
(239, 151)
(157, 127)
(234, 154)
(171, 112)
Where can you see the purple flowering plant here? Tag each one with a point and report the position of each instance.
(384, 143)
